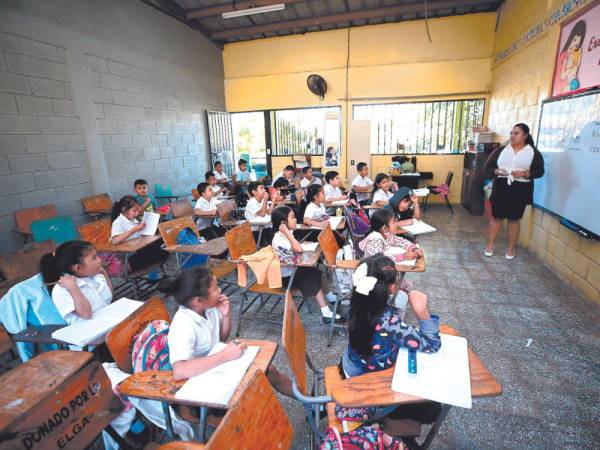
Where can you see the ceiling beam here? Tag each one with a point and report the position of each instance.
(172, 9)
(365, 14)
(217, 10)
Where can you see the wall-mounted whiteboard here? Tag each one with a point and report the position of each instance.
(569, 139)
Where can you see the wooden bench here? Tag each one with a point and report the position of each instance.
(59, 399)
(257, 421)
(24, 218)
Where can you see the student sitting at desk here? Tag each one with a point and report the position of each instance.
(376, 332)
(405, 206)
(383, 239)
(309, 280)
(202, 321)
(212, 181)
(126, 226)
(382, 190)
(332, 187)
(308, 178)
(315, 214)
(76, 280)
(287, 174)
(243, 175)
(147, 201)
(361, 185)
(280, 187)
(258, 206)
(206, 207)
(220, 176)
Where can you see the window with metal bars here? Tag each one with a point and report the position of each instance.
(424, 127)
(220, 138)
(305, 131)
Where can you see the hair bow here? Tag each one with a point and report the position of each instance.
(364, 284)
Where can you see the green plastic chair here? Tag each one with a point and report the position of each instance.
(60, 229)
(162, 190)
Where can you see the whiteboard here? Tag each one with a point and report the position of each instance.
(569, 139)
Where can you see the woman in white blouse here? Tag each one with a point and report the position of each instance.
(514, 167)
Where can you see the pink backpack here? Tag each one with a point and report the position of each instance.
(151, 348)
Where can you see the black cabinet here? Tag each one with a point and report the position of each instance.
(472, 195)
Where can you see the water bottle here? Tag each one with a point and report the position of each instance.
(338, 212)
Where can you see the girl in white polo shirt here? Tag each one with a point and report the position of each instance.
(203, 320)
(82, 286)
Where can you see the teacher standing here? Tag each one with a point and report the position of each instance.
(514, 167)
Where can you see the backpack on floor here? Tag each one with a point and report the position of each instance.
(363, 438)
(151, 348)
(188, 237)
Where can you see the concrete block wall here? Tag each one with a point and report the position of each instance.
(94, 95)
(151, 125)
(42, 151)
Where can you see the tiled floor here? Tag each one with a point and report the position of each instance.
(551, 393)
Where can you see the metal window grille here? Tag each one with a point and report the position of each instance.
(425, 127)
(220, 138)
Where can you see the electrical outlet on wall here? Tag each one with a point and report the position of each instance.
(352, 162)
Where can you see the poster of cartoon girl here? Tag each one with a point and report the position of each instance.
(569, 60)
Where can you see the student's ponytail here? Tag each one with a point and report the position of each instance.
(54, 265)
(189, 284)
(126, 203)
(313, 191)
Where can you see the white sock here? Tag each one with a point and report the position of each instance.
(327, 313)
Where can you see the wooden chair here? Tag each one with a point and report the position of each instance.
(182, 208)
(329, 249)
(23, 263)
(119, 340)
(169, 231)
(98, 232)
(66, 391)
(96, 205)
(448, 182)
(60, 229)
(225, 210)
(257, 421)
(240, 242)
(25, 217)
(6, 343)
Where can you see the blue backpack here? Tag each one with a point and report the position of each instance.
(188, 237)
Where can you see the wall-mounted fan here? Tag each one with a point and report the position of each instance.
(317, 85)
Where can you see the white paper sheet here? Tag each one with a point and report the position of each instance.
(309, 246)
(218, 385)
(333, 221)
(442, 377)
(419, 227)
(339, 203)
(151, 220)
(395, 251)
(423, 192)
(261, 220)
(83, 332)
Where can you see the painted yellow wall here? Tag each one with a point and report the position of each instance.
(387, 63)
(519, 84)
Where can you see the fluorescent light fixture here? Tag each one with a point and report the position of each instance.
(250, 11)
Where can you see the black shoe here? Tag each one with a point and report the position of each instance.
(339, 321)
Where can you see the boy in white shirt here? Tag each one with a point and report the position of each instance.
(206, 208)
(308, 178)
(220, 176)
(287, 173)
(258, 207)
(212, 181)
(362, 184)
(332, 187)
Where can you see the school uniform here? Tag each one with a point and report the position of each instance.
(95, 289)
(252, 208)
(222, 176)
(314, 211)
(243, 176)
(278, 176)
(361, 182)
(144, 257)
(510, 195)
(382, 196)
(206, 226)
(304, 183)
(331, 192)
(216, 189)
(306, 279)
(192, 335)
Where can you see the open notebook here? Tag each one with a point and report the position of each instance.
(339, 203)
(83, 332)
(217, 385)
(309, 246)
(151, 220)
(333, 221)
(392, 252)
(419, 227)
(261, 220)
(423, 192)
(442, 377)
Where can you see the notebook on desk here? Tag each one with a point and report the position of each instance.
(217, 385)
(333, 221)
(392, 252)
(84, 332)
(258, 220)
(443, 377)
(419, 227)
(309, 246)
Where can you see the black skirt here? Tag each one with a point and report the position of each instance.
(509, 201)
(306, 279)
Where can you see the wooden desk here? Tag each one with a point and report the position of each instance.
(418, 267)
(129, 246)
(161, 386)
(42, 334)
(309, 259)
(340, 227)
(214, 247)
(376, 389)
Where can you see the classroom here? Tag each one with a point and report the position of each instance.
(299, 224)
